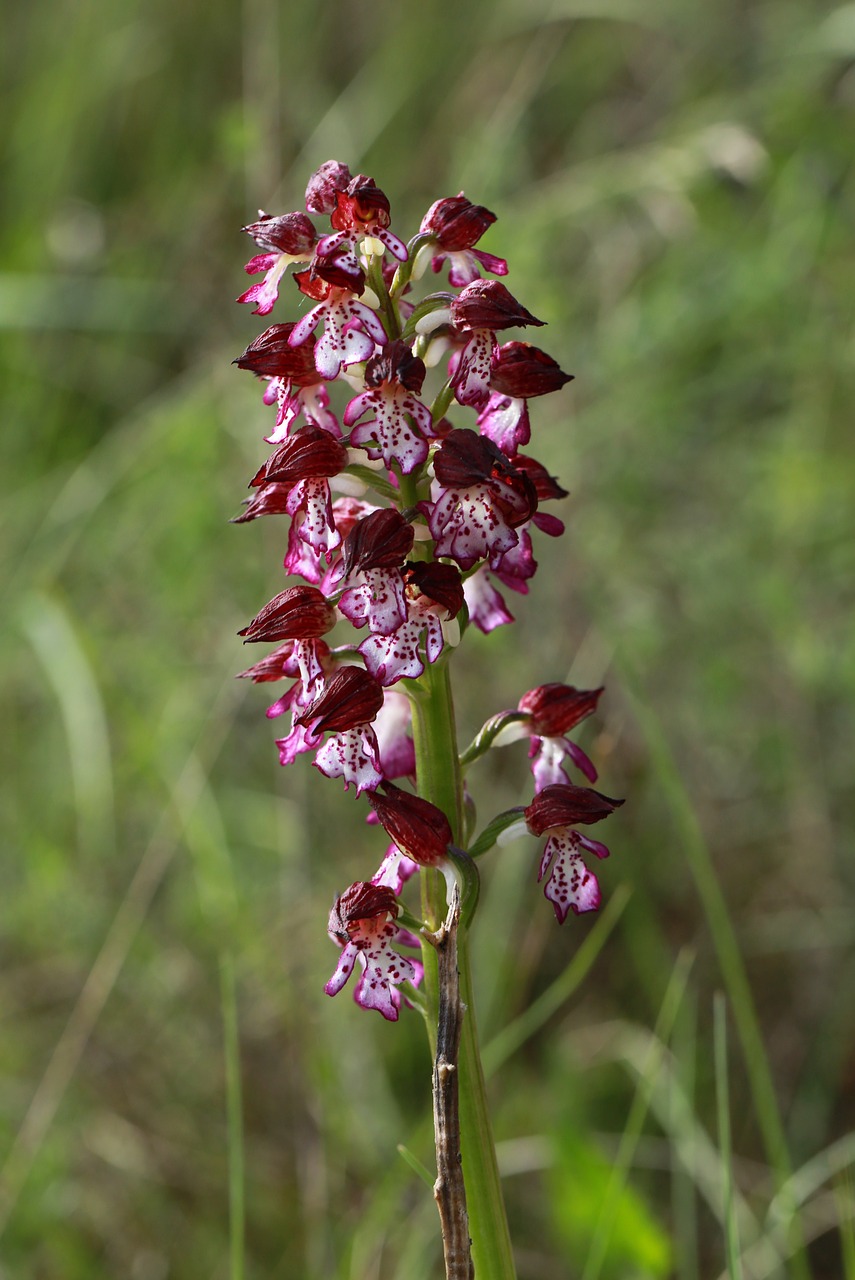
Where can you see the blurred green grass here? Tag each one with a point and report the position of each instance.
(675, 194)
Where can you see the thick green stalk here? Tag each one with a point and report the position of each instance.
(440, 781)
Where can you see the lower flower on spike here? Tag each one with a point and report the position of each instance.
(554, 812)
(362, 922)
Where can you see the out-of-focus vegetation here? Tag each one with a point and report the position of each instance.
(675, 193)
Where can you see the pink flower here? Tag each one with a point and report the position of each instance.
(304, 462)
(455, 225)
(391, 379)
(480, 500)
(552, 711)
(351, 329)
(286, 239)
(555, 812)
(480, 309)
(361, 212)
(433, 594)
(519, 372)
(362, 923)
(293, 381)
(345, 708)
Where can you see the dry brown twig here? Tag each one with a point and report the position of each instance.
(449, 1190)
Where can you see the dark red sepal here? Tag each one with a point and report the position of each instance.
(324, 186)
(350, 698)
(487, 304)
(300, 613)
(418, 828)
(362, 901)
(556, 708)
(456, 223)
(465, 458)
(523, 371)
(268, 500)
(396, 363)
(270, 355)
(567, 806)
(310, 454)
(545, 485)
(290, 233)
(381, 540)
(440, 582)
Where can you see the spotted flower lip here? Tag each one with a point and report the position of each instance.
(487, 304)
(382, 540)
(351, 330)
(418, 828)
(349, 699)
(565, 806)
(271, 355)
(311, 453)
(299, 613)
(557, 708)
(396, 431)
(523, 371)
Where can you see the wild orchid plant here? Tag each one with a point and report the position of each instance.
(431, 519)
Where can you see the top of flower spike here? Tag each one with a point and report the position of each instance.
(324, 185)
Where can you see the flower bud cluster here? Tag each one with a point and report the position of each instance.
(404, 524)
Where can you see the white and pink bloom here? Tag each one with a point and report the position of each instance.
(284, 240)
(455, 225)
(556, 812)
(362, 923)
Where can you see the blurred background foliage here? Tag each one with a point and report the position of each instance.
(675, 194)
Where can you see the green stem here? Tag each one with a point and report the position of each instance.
(234, 1113)
(440, 781)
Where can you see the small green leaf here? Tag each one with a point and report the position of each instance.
(493, 830)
